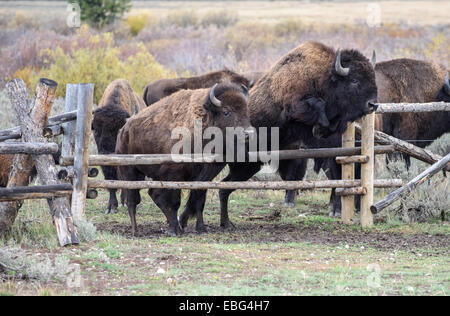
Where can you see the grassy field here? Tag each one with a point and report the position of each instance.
(273, 251)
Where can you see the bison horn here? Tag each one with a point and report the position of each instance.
(245, 89)
(374, 58)
(447, 84)
(213, 98)
(341, 71)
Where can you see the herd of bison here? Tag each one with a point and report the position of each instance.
(309, 94)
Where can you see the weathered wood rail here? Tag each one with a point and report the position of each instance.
(121, 160)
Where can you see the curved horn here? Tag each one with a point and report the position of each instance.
(447, 84)
(341, 71)
(374, 59)
(245, 90)
(213, 98)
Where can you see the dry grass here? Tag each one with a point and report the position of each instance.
(413, 12)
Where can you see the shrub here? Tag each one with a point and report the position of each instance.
(220, 18)
(15, 263)
(441, 146)
(87, 232)
(138, 22)
(428, 201)
(94, 58)
(183, 18)
(100, 13)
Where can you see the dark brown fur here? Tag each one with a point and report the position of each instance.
(149, 132)
(398, 81)
(159, 89)
(6, 162)
(281, 98)
(117, 104)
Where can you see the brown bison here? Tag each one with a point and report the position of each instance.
(253, 77)
(311, 91)
(159, 89)
(117, 104)
(150, 132)
(398, 80)
(6, 162)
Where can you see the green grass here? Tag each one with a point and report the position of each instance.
(265, 255)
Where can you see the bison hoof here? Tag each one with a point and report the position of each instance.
(228, 225)
(331, 214)
(289, 204)
(201, 229)
(173, 232)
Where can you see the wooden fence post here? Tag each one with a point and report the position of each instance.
(33, 117)
(80, 164)
(367, 169)
(348, 173)
(22, 165)
(68, 141)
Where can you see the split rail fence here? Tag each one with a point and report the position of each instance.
(67, 189)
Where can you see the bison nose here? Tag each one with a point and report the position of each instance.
(371, 107)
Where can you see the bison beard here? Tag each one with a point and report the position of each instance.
(159, 89)
(118, 103)
(149, 132)
(398, 80)
(311, 89)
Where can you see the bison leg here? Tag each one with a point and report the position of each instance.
(169, 202)
(194, 206)
(333, 171)
(132, 197)
(110, 173)
(238, 172)
(292, 170)
(197, 198)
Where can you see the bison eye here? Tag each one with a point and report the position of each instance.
(355, 81)
(226, 113)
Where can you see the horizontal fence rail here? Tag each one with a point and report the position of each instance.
(35, 192)
(250, 185)
(28, 148)
(15, 132)
(122, 160)
(412, 107)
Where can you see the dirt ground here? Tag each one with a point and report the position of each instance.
(269, 232)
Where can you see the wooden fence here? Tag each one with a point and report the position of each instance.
(71, 181)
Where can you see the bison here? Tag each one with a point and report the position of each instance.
(398, 80)
(159, 89)
(313, 91)
(149, 132)
(6, 162)
(117, 104)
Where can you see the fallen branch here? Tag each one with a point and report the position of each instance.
(411, 185)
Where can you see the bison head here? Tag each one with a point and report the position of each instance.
(444, 92)
(107, 122)
(349, 92)
(227, 106)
